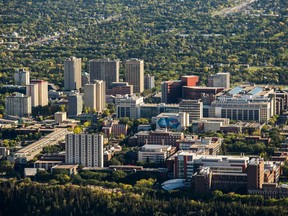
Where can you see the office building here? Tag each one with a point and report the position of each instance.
(271, 191)
(104, 69)
(94, 95)
(72, 73)
(155, 153)
(150, 110)
(209, 124)
(201, 181)
(127, 106)
(219, 80)
(204, 180)
(84, 149)
(18, 105)
(186, 163)
(204, 146)
(193, 107)
(22, 77)
(245, 103)
(172, 90)
(206, 94)
(135, 74)
(157, 137)
(149, 81)
(42, 95)
(120, 88)
(75, 105)
(255, 172)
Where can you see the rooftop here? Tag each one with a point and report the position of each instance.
(65, 166)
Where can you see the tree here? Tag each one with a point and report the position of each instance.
(77, 130)
(118, 175)
(6, 167)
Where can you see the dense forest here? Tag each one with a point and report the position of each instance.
(40, 199)
(173, 37)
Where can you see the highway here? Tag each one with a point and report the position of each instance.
(30, 151)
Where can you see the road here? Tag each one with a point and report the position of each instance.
(30, 151)
(237, 8)
(41, 41)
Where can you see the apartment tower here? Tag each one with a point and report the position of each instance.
(135, 74)
(38, 90)
(94, 95)
(84, 149)
(104, 69)
(72, 73)
(22, 77)
(18, 105)
(75, 105)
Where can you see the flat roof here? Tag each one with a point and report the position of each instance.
(65, 166)
(47, 161)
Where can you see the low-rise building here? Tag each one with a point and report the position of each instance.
(114, 128)
(60, 117)
(271, 191)
(172, 121)
(71, 169)
(186, 163)
(47, 165)
(245, 103)
(209, 124)
(206, 145)
(157, 137)
(120, 88)
(155, 153)
(149, 110)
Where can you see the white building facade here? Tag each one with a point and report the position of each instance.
(85, 149)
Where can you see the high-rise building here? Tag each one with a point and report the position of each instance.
(75, 105)
(255, 173)
(193, 107)
(22, 77)
(219, 80)
(135, 74)
(33, 91)
(149, 81)
(94, 95)
(72, 73)
(171, 91)
(85, 149)
(42, 92)
(104, 69)
(18, 105)
(85, 78)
